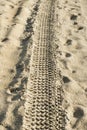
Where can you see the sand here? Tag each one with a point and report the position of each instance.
(21, 26)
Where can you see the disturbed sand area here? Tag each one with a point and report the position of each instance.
(38, 39)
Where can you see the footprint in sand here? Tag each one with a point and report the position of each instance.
(73, 17)
(78, 114)
(68, 55)
(66, 79)
(69, 42)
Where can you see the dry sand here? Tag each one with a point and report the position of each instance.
(20, 27)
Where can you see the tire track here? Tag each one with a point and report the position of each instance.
(14, 44)
(24, 57)
(43, 105)
(13, 8)
(18, 84)
(14, 21)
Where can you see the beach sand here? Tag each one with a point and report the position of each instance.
(20, 27)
